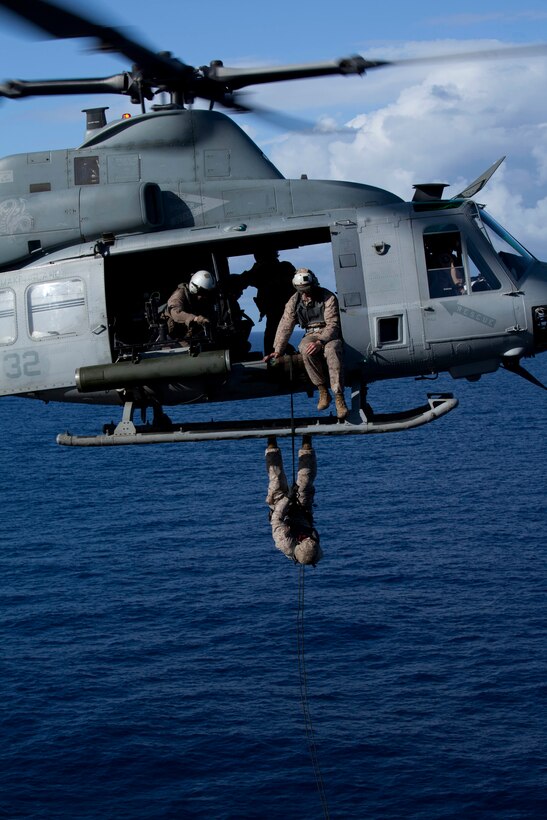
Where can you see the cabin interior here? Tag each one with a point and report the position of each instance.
(138, 285)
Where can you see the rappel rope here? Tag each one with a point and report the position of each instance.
(304, 695)
(292, 421)
(308, 724)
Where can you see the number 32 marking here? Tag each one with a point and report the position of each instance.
(17, 365)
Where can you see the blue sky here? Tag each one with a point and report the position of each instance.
(408, 124)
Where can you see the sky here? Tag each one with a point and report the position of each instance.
(405, 124)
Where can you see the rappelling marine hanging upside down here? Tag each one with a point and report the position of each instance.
(291, 513)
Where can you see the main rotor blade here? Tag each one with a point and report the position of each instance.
(285, 122)
(537, 50)
(215, 82)
(64, 24)
(117, 84)
(235, 78)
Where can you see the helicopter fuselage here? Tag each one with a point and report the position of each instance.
(87, 235)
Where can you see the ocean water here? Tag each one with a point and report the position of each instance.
(148, 626)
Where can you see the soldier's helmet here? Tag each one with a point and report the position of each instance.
(308, 551)
(202, 282)
(304, 280)
(266, 255)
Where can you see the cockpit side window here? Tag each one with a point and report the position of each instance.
(444, 262)
(514, 256)
(452, 268)
(481, 276)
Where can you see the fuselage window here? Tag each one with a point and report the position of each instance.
(444, 262)
(56, 308)
(86, 171)
(389, 330)
(8, 324)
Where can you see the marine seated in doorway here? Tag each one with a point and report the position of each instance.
(316, 310)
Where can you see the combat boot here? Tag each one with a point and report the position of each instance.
(341, 406)
(306, 442)
(272, 443)
(324, 397)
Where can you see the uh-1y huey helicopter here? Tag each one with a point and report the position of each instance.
(94, 239)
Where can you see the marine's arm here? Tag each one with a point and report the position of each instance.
(240, 281)
(177, 308)
(281, 532)
(286, 326)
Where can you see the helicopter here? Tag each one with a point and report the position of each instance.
(94, 239)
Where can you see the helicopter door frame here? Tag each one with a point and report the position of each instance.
(350, 286)
(60, 325)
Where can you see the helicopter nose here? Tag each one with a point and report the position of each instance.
(512, 358)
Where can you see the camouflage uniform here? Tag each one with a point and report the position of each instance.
(183, 308)
(289, 521)
(329, 334)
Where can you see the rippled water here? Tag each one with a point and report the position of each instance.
(149, 665)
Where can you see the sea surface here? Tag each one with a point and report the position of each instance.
(148, 632)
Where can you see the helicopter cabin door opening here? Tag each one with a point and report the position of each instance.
(139, 284)
(52, 321)
(465, 290)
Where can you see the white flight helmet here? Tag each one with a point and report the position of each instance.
(304, 280)
(202, 280)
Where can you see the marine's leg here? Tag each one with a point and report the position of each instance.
(333, 356)
(315, 368)
(314, 363)
(333, 352)
(277, 480)
(307, 472)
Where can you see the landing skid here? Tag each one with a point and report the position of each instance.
(360, 421)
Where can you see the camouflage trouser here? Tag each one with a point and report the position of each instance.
(277, 480)
(327, 358)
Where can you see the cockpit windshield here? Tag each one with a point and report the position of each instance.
(513, 255)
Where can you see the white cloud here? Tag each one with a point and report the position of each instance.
(488, 17)
(447, 123)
